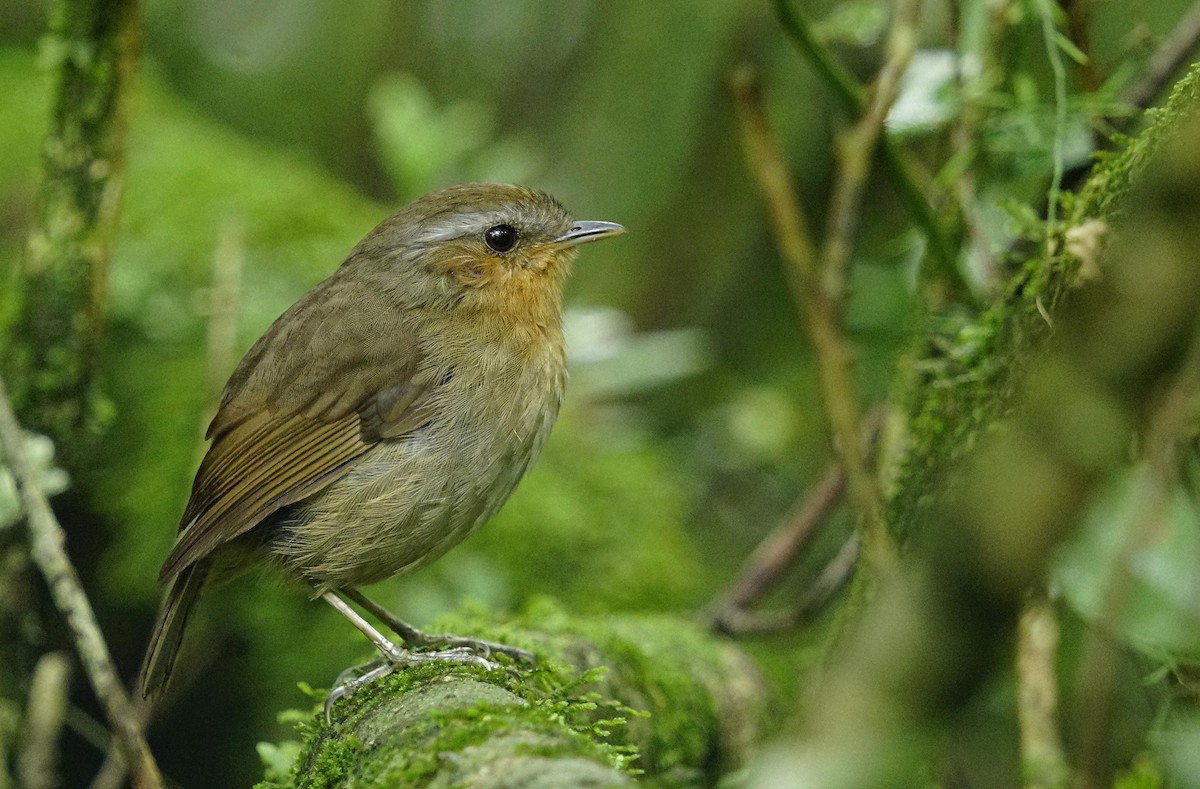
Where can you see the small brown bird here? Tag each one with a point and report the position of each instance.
(388, 413)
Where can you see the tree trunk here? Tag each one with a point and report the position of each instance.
(52, 363)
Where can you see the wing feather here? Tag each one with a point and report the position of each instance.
(303, 407)
(262, 478)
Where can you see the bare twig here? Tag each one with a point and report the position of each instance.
(835, 575)
(852, 95)
(223, 303)
(856, 147)
(736, 621)
(819, 288)
(48, 549)
(1042, 757)
(89, 729)
(766, 164)
(1172, 53)
(112, 772)
(819, 312)
(905, 171)
(854, 154)
(37, 764)
(763, 568)
(775, 553)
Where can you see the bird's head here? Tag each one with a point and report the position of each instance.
(492, 247)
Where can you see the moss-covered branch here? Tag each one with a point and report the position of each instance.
(966, 375)
(93, 46)
(607, 700)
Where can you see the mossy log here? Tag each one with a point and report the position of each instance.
(607, 701)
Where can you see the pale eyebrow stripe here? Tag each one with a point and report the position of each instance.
(459, 225)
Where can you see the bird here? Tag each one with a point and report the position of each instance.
(384, 416)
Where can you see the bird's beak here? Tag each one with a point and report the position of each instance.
(585, 231)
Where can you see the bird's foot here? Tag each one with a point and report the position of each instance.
(352, 679)
(357, 677)
(478, 646)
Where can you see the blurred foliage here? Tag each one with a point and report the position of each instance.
(288, 128)
(1161, 616)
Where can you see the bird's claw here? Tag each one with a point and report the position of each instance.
(484, 648)
(345, 688)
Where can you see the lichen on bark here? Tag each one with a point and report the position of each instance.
(92, 49)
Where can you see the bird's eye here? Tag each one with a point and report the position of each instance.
(501, 238)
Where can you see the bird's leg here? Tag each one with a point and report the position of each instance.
(415, 638)
(393, 656)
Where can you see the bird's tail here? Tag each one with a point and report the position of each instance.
(172, 617)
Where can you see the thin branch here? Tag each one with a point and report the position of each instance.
(831, 580)
(854, 153)
(777, 551)
(89, 729)
(1172, 53)
(905, 171)
(223, 305)
(48, 549)
(836, 573)
(817, 310)
(1042, 757)
(848, 90)
(857, 146)
(842, 403)
(774, 180)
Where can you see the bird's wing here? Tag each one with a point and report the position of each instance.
(333, 376)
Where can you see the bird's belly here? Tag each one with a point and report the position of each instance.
(407, 502)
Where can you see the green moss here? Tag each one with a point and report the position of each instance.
(411, 720)
(1116, 174)
(963, 382)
